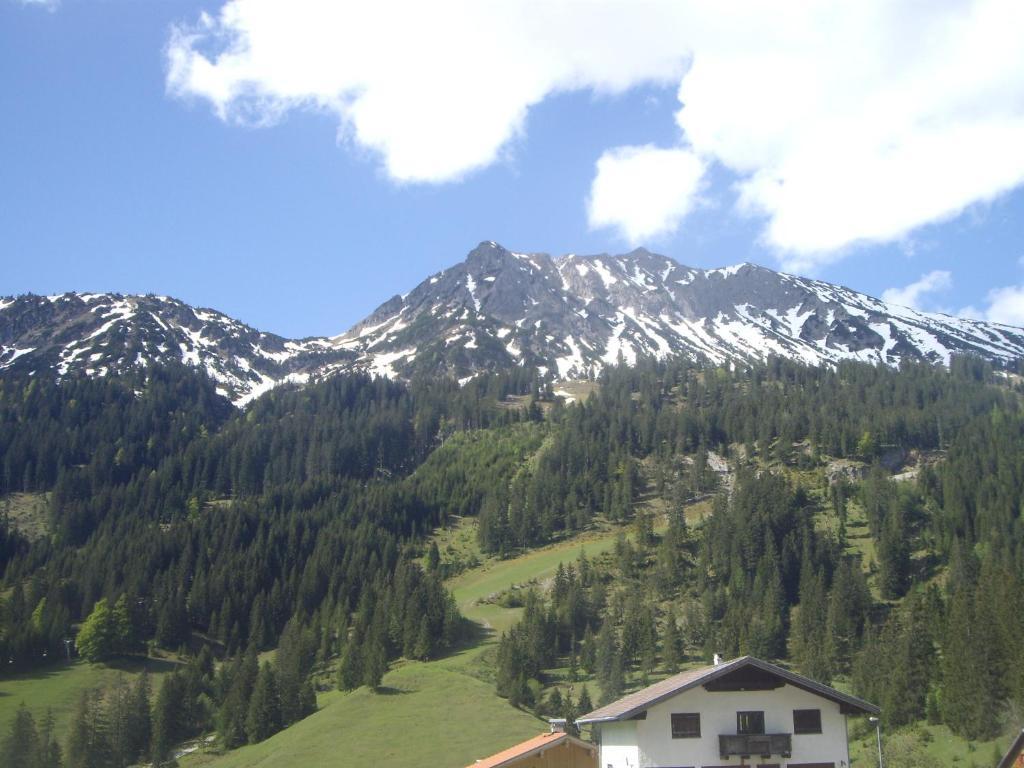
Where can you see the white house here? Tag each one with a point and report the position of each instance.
(741, 712)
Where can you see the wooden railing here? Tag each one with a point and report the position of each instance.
(759, 744)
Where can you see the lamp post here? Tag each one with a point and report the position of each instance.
(878, 735)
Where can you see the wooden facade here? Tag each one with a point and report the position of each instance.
(549, 750)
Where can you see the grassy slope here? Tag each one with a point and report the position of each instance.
(440, 713)
(59, 687)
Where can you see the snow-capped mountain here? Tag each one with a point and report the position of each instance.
(573, 315)
(101, 333)
(567, 316)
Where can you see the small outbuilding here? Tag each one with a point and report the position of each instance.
(549, 750)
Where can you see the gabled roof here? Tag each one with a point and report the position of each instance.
(528, 748)
(635, 703)
(1012, 753)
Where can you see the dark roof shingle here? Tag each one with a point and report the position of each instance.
(647, 697)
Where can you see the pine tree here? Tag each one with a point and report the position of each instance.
(968, 704)
(88, 745)
(167, 720)
(671, 644)
(49, 749)
(810, 630)
(122, 630)
(584, 705)
(350, 670)
(606, 655)
(120, 722)
(375, 664)
(264, 717)
(141, 728)
(554, 704)
(20, 747)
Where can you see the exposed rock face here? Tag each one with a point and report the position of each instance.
(568, 317)
(573, 315)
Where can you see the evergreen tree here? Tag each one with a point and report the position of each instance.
(88, 745)
(968, 704)
(141, 727)
(20, 747)
(671, 644)
(584, 705)
(49, 749)
(264, 717)
(168, 725)
(120, 711)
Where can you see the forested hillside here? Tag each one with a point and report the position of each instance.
(861, 523)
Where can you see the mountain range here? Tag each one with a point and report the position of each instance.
(567, 316)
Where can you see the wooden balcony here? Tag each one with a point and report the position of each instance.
(755, 744)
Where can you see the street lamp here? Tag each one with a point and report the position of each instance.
(878, 735)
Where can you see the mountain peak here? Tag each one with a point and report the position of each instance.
(497, 309)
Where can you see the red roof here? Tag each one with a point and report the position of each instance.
(527, 748)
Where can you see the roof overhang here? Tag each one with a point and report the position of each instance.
(848, 704)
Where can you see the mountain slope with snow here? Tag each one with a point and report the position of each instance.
(573, 315)
(568, 317)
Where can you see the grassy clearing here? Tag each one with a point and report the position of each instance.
(425, 715)
(936, 743)
(442, 713)
(27, 513)
(575, 391)
(59, 687)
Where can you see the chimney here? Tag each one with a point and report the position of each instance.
(718, 659)
(558, 725)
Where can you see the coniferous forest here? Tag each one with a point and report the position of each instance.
(861, 524)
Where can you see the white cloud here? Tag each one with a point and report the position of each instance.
(910, 295)
(644, 191)
(437, 89)
(844, 123)
(1005, 305)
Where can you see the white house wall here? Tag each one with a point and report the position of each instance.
(619, 745)
(649, 744)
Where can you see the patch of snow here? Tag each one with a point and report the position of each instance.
(604, 273)
(471, 287)
(16, 354)
(565, 395)
(380, 364)
(188, 356)
(651, 331)
(616, 345)
(727, 271)
(571, 363)
(159, 322)
(277, 357)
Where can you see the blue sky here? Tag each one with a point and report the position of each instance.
(225, 182)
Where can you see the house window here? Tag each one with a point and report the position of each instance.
(749, 722)
(686, 725)
(806, 721)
